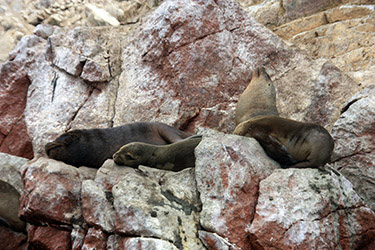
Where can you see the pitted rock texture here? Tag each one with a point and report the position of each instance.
(185, 64)
(52, 192)
(228, 171)
(48, 238)
(339, 30)
(10, 240)
(354, 133)
(300, 208)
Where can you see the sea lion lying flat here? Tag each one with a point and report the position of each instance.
(291, 143)
(175, 156)
(9, 205)
(91, 147)
(259, 97)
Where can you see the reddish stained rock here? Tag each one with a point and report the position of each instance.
(228, 171)
(95, 239)
(95, 72)
(10, 240)
(51, 192)
(13, 90)
(77, 236)
(48, 238)
(194, 55)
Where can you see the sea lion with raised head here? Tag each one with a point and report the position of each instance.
(259, 97)
(291, 143)
(175, 156)
(91, 147)
(9, 206)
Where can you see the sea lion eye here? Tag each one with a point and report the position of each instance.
(129, 157)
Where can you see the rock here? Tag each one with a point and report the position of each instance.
(146, 243)
(113, 242)
(95, 239)
(219, 55)
(52, 88)
(332, 87)
(300, 208)
(77, 237)
(10, 240)
(86, 173)
(48, 238)
(146, 206)
(67, 60)
(110, 174)
(339, 30)
(354, 133)
(228, 170)
(100, 17)
(44, 30)
(96, 209)
(10, 170)
(213, 241)
(51, 193)
(96, 72)
(14, 138)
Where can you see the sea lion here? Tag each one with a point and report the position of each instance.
(91, 147)
(175, 156)
(9, 206)
(291, 143)
(259, 97)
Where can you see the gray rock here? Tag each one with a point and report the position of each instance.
(10, 170)
(148, 243)
(97, 210)
(354, 134)
(300, 208)
(145, 207)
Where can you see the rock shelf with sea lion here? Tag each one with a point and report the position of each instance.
(259, 97)
(91, 147)
(9, 206)
(175, 156)
(291, 143)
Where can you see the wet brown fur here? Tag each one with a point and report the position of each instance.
(175, 156)
(91, 147)
(291, 143)
(259, 97)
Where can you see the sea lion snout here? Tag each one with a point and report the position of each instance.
(260, 72)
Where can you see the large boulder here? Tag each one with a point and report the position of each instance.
(354, 134)
(228, 171)
(301, 208)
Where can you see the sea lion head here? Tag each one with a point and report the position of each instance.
(259, 97)
(131, 154)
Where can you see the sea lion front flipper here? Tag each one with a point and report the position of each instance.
(276, 150)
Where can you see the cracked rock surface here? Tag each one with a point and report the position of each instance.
(185, 64)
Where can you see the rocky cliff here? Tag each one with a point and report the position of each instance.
(185, 64)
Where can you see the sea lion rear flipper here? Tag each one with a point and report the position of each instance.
(276, 150)
(171, 134)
